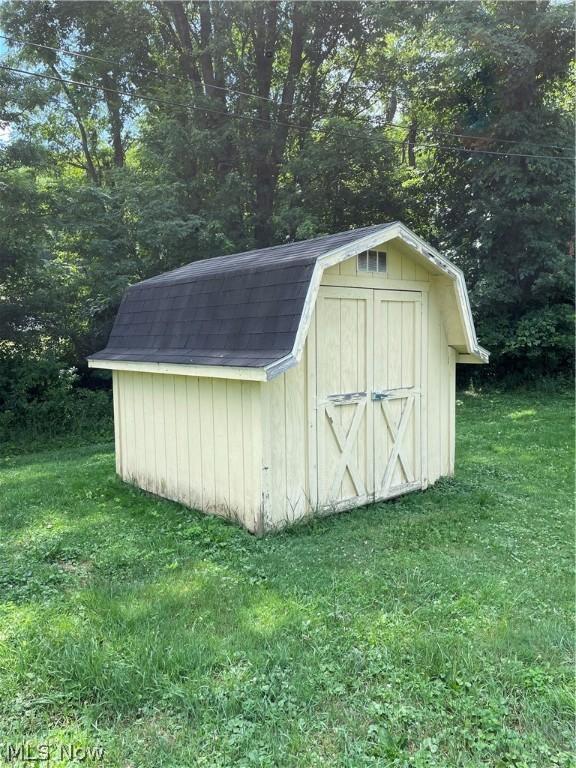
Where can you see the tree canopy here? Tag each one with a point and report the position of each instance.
(149, 134)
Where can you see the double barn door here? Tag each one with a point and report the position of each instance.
(368, 394)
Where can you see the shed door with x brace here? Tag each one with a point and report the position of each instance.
(368, 379)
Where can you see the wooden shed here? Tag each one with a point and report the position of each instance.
(298, 379)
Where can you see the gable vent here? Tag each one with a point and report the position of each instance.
(372, 261)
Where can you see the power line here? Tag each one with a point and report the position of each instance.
(149, 71)
(478, 137)
(167, 75)
(297, 126)
(246, 118)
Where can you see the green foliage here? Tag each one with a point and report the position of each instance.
(335, 184)
(393, 102)
(39, 401)
(508, 222)
(544, 334)
(435, 630)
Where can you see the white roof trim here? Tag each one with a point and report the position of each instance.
(474, 352)
(182, 369)
(388, 232)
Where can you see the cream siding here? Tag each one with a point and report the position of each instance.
(251, 450)
(438, 359)
(197, 441)
(400, 267)
(287, 455)
(441, 365)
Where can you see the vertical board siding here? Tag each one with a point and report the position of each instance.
(310, 355)
(348, 267)
(288, 461)
(170, 437)
(349, 379)
(397, 366)
(394, 264)
(158, 433)
(253, 459)
(235, 447)
(444, 364)
(117, 420)
(424, 398)
(206, 429)
(251, 451)
(181, 438)
(434, 415)
(408, 269)
(344, 337)
(440, 394)
(400, 265)
(190, 439)
(276, 393)
(452, 410)
(433, 438)
(194, 454)
(139, 383)
(221, 447)
(297, 492)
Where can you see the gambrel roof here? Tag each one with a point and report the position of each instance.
(249, 311)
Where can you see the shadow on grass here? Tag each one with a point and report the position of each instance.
(130, 602)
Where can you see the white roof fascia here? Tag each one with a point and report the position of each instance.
(183, 369)
(388, 232)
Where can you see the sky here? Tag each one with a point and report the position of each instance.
(4, 130)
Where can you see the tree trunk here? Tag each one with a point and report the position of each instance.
(412, 136)
(391, 108)
(264, 39)
(213, 88)
(289, 89)
(187, 57)
(113, 104)
(90, 167)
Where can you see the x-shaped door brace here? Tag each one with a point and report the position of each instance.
(397, 432)
(346, 443)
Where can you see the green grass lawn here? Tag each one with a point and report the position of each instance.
(435, 630)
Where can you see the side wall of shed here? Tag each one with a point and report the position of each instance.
(439, 399)
(193, 440)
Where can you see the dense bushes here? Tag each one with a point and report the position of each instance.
(41, 399)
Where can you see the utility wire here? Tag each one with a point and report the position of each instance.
(247, 118)
(157, 72)
(168, 75)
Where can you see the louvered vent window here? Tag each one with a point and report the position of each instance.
(371, 261)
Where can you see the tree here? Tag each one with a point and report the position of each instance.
(497, 77)
(209, 127)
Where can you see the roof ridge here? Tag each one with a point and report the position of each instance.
(242, 260)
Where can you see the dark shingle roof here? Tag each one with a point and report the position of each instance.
(239, 310)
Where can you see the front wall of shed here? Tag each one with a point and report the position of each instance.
(290, 474)
(438, 397)
(193, 440)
